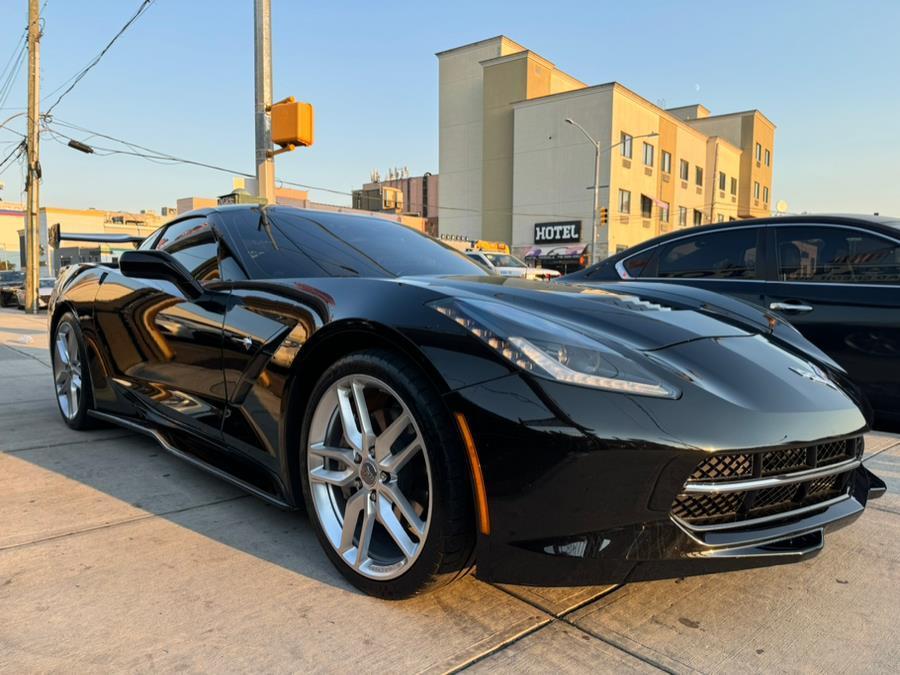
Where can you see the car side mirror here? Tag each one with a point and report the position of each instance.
(152, 264)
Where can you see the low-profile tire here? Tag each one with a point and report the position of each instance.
(71, 375)
(403, 483)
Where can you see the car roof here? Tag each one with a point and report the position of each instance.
(885, 224)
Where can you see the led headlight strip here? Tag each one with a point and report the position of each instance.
(528, 356)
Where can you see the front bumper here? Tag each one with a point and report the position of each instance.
(585, 496)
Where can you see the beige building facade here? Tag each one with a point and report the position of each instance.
(511, 166)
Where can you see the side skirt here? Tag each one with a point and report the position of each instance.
(190, 459)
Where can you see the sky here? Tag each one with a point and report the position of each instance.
(181, 81)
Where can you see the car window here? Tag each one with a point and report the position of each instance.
(504, 260)
(285, 251)
(192, 243)
(637, 264)
(150, 241)
(728, 254)
(836, 255)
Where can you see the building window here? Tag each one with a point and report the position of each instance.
(646, 206)
(648, 154)
(768, 158)
(626, 145)
(663, 212)
(666, 164)
(698, 175)
(683, 169)
(720, 218)
(758, 152)
(624, 201)
(755, 190)
(766, 194)
(682, 216)
(722, 180)
(734, 186)
(698, 217)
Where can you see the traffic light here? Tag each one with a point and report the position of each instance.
(604, 215)
(53, 235)
(292, 124)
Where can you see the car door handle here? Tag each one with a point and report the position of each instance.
(789, 307)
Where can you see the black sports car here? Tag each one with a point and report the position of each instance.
(430, 416)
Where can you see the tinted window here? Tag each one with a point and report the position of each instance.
(273, 254)
(721, 255)
(836, 254)
(150, 242)
(372, 246)
(192, 243)
(636, 265)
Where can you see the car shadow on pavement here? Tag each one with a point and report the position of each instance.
(145, 481)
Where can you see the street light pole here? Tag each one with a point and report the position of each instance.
(597, 150)
(593, 254)
(32, 181)
(262, 42)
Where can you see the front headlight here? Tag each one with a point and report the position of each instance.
(551, 350)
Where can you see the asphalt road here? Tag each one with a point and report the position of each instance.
(114, 556)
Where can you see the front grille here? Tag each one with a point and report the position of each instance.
(701, 509)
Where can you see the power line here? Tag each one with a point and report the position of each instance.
(11, 72)
(18, 149)
(77, 77)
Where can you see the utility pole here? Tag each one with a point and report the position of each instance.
(262, 42)
(32, 184)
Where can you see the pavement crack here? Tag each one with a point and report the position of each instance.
(118, 523)
(47, 446)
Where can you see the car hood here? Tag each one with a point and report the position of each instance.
(641, 320)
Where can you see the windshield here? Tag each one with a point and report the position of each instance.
(504, 260)
(376, 243)
(47, 281)
(11, 277)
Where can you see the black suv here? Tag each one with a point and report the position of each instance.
(836, 278)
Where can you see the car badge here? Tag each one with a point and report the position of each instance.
(813, 376)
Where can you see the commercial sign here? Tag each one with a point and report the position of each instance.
(557, 233)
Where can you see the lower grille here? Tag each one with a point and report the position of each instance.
(735, 488)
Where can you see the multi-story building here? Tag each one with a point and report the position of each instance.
(402, 194)
(511, 165)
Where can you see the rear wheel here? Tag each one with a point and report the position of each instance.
(71, 377)
(384, 480)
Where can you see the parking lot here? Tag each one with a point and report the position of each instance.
(115, 556)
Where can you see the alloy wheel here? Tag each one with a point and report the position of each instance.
(369, 476)
(67, 371)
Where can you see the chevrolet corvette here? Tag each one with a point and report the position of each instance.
(432, 418)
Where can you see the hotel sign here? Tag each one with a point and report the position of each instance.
(557, 233)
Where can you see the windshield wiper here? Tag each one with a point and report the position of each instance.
(266, 226)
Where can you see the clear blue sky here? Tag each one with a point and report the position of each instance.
(826, 73)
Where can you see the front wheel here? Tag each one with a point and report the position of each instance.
(384, 479)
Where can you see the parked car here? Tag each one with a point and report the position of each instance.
(10, 280)
(430, 416)
(45, 289)
(836, 278)
(507, 265)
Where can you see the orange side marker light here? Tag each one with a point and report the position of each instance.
(484, 520)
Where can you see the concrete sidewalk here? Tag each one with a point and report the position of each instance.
(115, 556)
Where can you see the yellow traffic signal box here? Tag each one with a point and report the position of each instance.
(292, 123)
